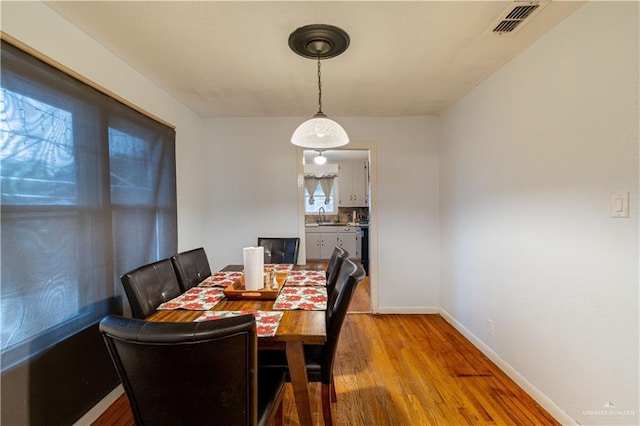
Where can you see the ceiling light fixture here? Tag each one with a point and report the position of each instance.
(319, 41)
(320, 159)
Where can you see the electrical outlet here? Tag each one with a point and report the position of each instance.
(490, 328)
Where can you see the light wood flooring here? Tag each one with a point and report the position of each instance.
(407, 370)
(361, 302)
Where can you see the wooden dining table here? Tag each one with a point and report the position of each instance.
(296, 329)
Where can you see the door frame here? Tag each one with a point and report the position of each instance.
(373, 214)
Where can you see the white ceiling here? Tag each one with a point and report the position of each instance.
(232, 58)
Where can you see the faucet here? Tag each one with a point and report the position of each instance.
(321, 213)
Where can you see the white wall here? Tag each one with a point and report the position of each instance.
(407, 191)
(251, 183)
(529, 161)
(252, 190)
(38, 26)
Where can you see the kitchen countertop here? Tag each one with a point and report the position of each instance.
(362, 225)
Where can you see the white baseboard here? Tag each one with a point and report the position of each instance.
(95, 412)
(542, 399)
(408, 310)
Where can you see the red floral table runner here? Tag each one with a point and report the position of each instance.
(305, 298)
(221, 279)
(306, 278)
(266, 321)
(279, 267)
(195, 299)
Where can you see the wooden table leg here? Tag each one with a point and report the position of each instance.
(300, 382)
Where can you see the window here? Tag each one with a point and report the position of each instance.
(319, 200)
(87, 193)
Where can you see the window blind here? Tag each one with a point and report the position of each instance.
(87, 193)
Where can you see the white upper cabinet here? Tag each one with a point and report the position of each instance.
(353, 184)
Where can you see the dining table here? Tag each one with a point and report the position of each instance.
(296, 329)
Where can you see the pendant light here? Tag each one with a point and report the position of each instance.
(320, 159)
(318, 41)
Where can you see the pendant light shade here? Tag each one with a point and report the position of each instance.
(319, 42)
(321, 133)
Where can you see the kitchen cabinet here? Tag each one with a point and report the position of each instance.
(320, 241)
(313, 242)
(353, 184)
(349, 239)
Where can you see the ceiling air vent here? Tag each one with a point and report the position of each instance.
(515, 16)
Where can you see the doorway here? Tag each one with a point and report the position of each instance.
(345, 209)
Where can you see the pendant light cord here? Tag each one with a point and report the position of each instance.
(319, 88)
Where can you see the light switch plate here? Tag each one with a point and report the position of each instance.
(620, 204)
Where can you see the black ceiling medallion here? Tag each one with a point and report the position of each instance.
(319, 41)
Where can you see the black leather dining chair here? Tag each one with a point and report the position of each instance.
(149, 286)
(280, 250)
(333, 268)
(191, 267)
(320, 358)
(193, 373)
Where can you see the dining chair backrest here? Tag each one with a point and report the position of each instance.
(280, 250)
(149, 286)
(333, 268)
(351, 273)
(191, 267)
(186, 373)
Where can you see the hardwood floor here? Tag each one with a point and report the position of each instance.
(361, 301)
(407, 370)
